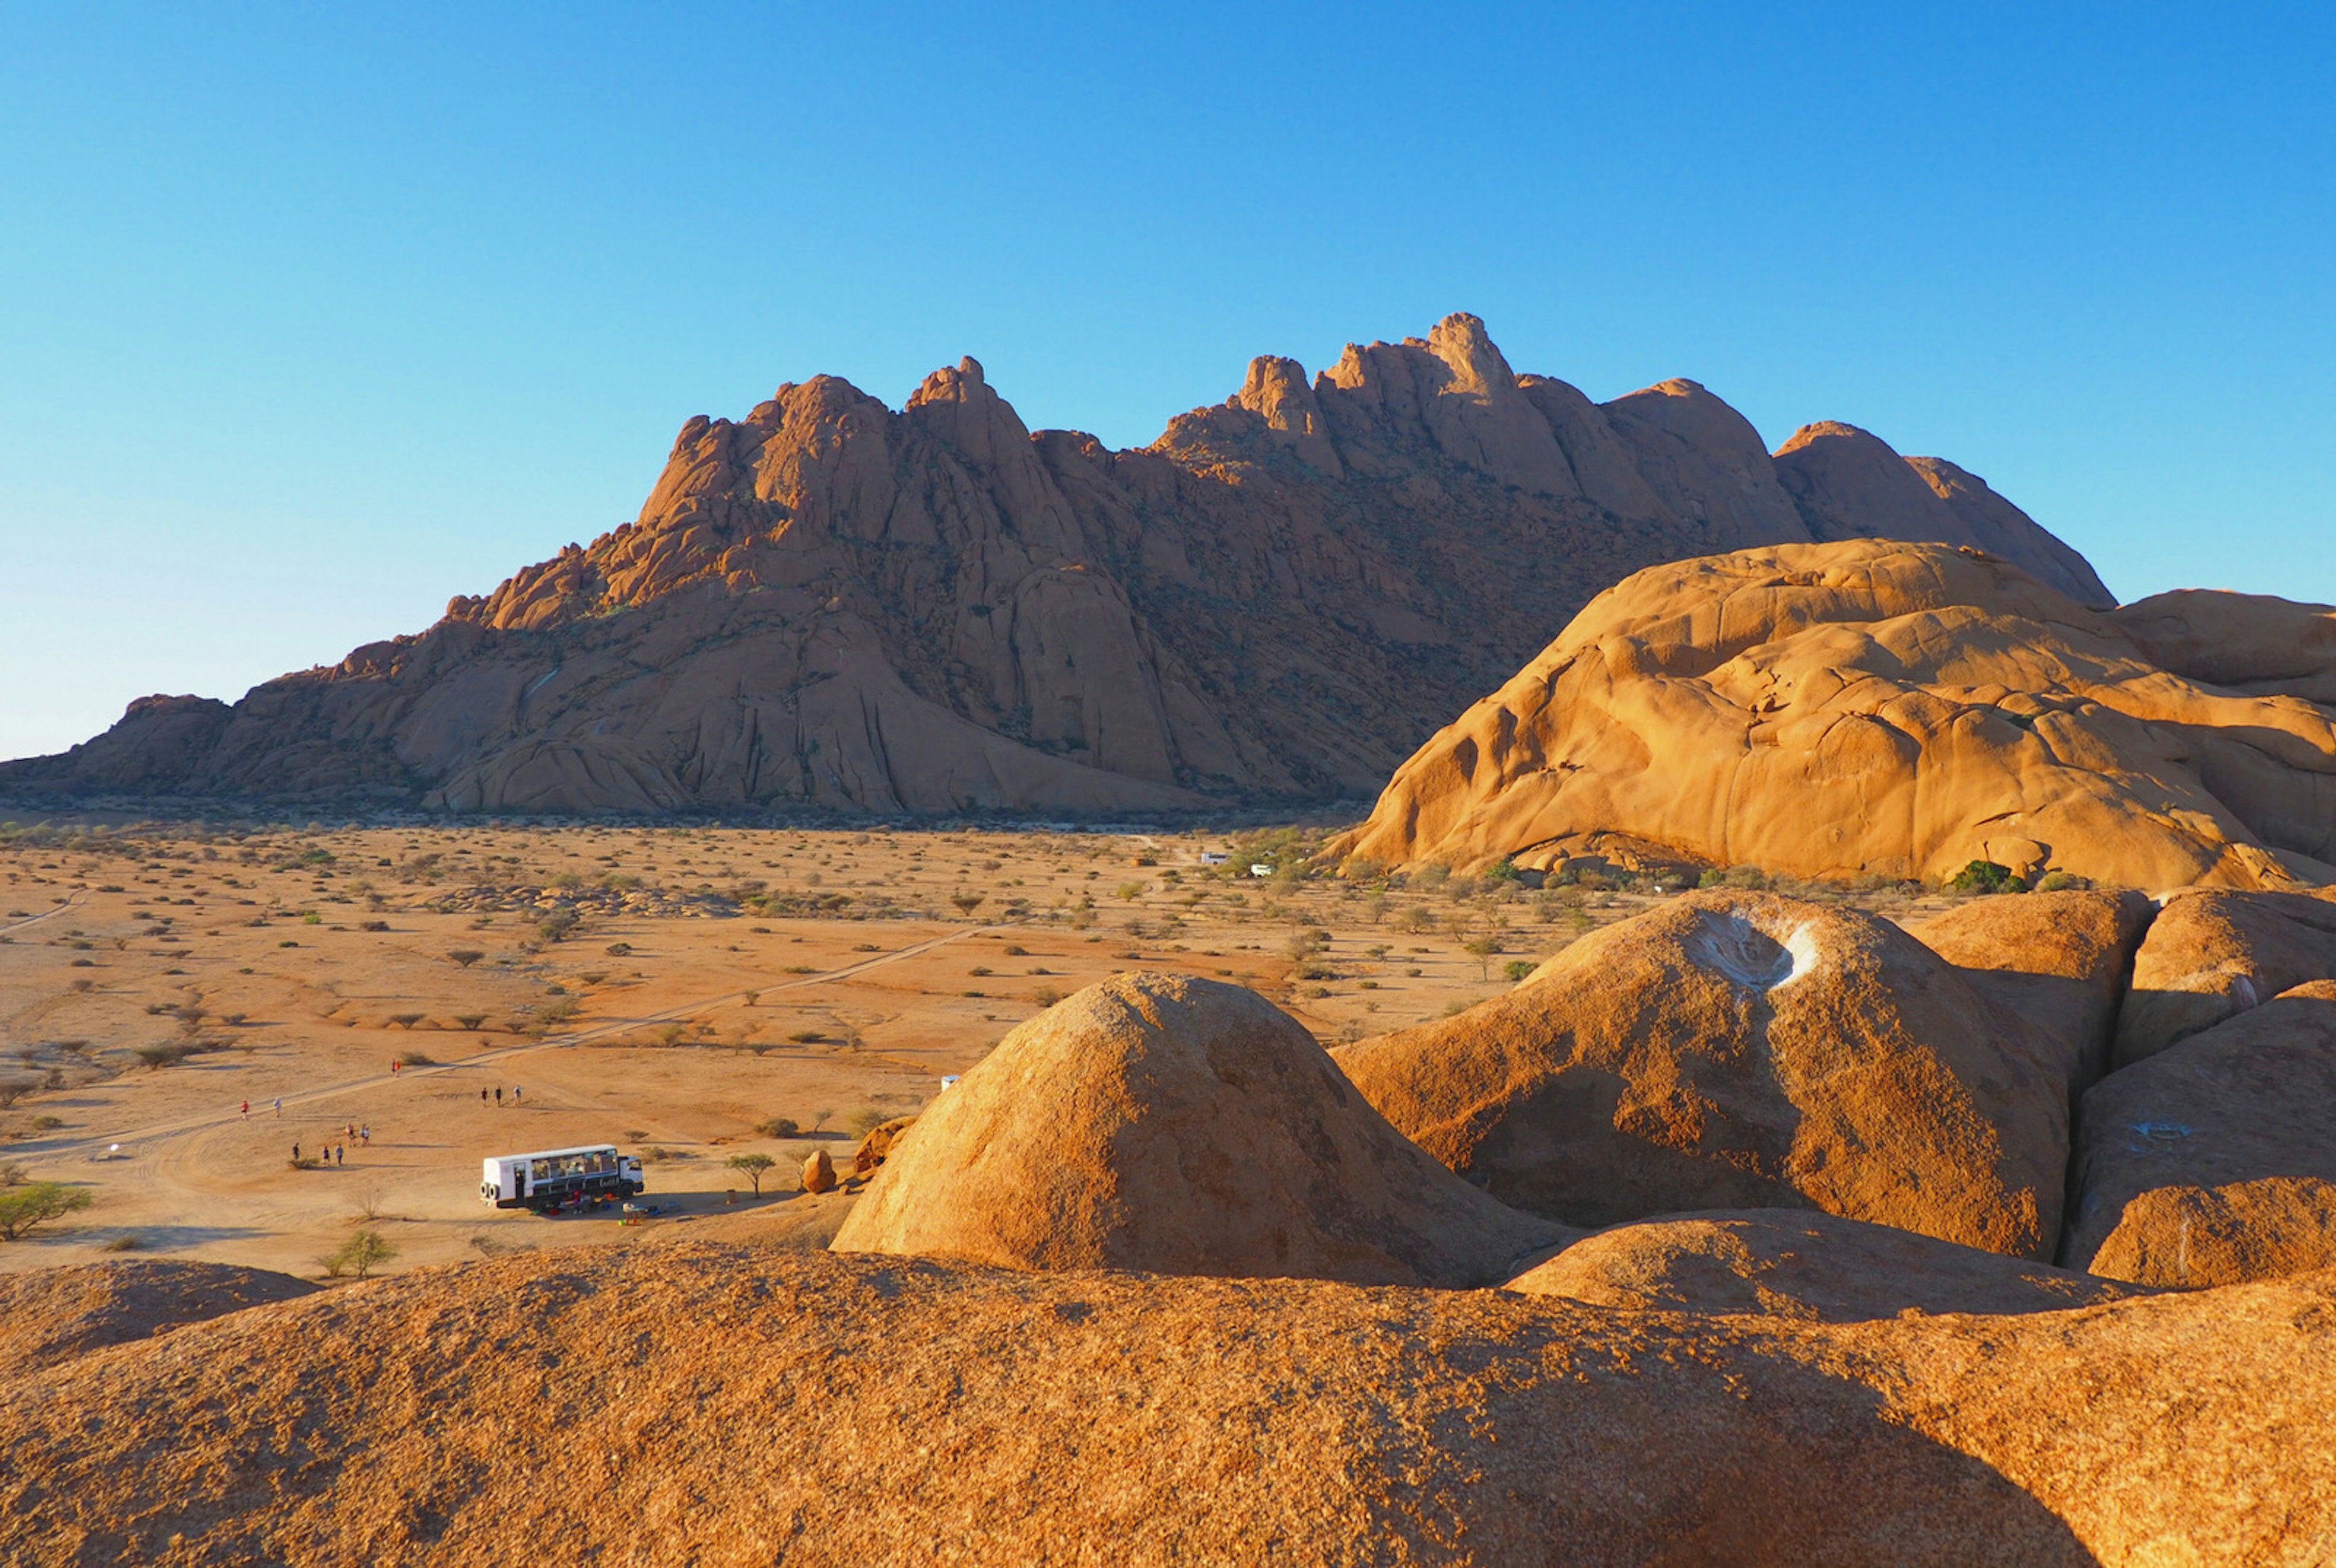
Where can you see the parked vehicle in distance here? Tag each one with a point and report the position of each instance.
(555, 1179)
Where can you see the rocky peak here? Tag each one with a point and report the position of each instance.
(1277, 392)
(1849, 484)
(1451, 393)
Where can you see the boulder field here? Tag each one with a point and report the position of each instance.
(1732, 1051)
(1878, 709)
(833, 603)
(1178, 1293)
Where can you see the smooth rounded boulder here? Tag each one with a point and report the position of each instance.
(1182, 1126)
(2212, 955)
(2214, 1162)
(1741, 1051)
(2056, 960)
(818, 1173)
(1794, 1264)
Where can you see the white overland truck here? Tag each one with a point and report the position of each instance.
(556, 1179)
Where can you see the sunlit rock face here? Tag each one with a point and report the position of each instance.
(831, 602)
(1872, 709)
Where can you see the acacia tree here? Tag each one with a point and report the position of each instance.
(752, 1166)
(36, 1204)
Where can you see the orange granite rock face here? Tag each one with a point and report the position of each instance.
(1868, 709)
(1735, 1051)
(666, 1402)
(1182, 1126)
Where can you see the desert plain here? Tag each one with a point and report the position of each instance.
(683, 991)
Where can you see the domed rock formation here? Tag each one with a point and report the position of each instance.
(2247, 642)
(1867, 709)
(1732, 1051)
(2209, 955)
(49, 1316)
(1791, 1263)
(2058, 961)
(2212, 1162)
(831, 603)
(704, 1404)
(1181, 1126)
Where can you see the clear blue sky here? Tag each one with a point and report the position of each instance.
(312, 317)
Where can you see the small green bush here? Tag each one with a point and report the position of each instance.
(1983, 877)
(360, 1255)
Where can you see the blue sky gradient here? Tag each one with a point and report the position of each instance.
(311, 318)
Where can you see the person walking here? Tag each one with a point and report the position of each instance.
(365, 1133)
(296, 1154)
(482, 1096)
(340, 1153)
(279, 1105)
(247, 1110)
(514, 1094)
(499, 1094)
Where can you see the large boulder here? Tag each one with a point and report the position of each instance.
(1738, 1051)
(2209, 955)
(1792, 1263)
(2214, 1159)
(2056, 960)
(1868, 709)
(1184, 1127)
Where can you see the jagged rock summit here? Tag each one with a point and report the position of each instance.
(932, 610)
(1876, 709)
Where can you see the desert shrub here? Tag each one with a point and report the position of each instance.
(123, 1243)
(866, 1119)
(418, 1058)
(2061, 881)
(360, 1255)
(47, 1123)
(373, 926)
(806, 1037)
(1016, 950)
(1518, 968)
(1046, 996)
(617, 949)
(555, 925)
(165, 1056)
(778, 1127)
(36, 1204)
(1982, 877)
